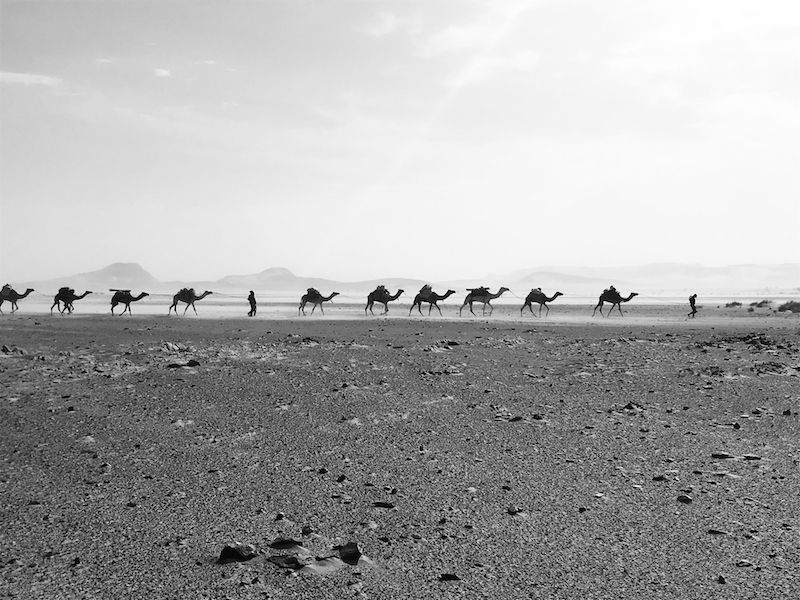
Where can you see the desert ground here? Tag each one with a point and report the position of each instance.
(644, 456)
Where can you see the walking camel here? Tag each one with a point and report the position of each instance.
(189, 297)
(431, 297)
(382, 295)
(540, 298)
(124, 297)
(67, 296)
(612, 296)
(316, 299)
(11, 296)
(482, 295)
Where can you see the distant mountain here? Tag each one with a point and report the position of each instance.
(280, 279)
(671, 277)
(659, 278)
(126, 276)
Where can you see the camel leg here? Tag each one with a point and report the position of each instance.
(437, 308)
(546, 308)
(619, 306)
(490, 306)
(320, 309)
(600, 306)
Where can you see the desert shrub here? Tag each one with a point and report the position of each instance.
(791, 306)
(761, 304)
(733, 304)
(751, 309)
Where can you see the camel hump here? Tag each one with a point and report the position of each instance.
(122, 291)
(66, 288)
(6, 291)
(425, 291)
(313, 292)
(479, 291)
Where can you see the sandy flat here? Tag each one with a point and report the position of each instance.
(648, 456)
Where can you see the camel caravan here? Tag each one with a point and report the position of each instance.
(64, 300)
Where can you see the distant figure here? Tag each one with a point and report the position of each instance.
(252, 300)
(692, 300)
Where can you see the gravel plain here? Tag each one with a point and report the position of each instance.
(648, 456)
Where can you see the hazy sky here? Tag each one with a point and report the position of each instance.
(431, 139)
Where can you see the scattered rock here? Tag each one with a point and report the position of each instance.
(722, 455)
(381, 504)
(237, 552)
(350, 553)
(685, 499)
(449, 577)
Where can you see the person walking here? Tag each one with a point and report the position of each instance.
(252, 300)
(692, 300)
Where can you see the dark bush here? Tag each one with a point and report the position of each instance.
(733, 304)
(761, 304)
(792, 306)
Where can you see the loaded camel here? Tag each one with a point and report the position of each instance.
(189, 297)
(316, 299)
(539, 298)
(67, 296)
(482, 295)
(382, 295)
(124, 297)
(612, 295)
(11, 296)
(426, 294)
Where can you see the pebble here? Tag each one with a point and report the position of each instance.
(685, 499)
(721, 455)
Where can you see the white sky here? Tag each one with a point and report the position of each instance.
(430, 139)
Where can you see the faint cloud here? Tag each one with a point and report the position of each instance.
(481, 67)
(103, 61)
(384, 24)
(454, 39)
(162, 73)
(28, 79)
(206, 62)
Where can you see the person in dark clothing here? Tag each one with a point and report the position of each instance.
(692, 300)
(252, 300)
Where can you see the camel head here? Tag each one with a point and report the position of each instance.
(557, 294)
(502, 290)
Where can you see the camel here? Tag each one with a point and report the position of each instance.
(316, 299)
(124, 297)
(482, 295)
(431, 298)
(11, 295)
(541, 299)
(382, 295)
(612, 295)
(67, 296)
(188, 296)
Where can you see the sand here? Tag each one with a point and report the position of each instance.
(648, 456)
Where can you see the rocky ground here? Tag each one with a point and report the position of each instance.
(398, 458)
